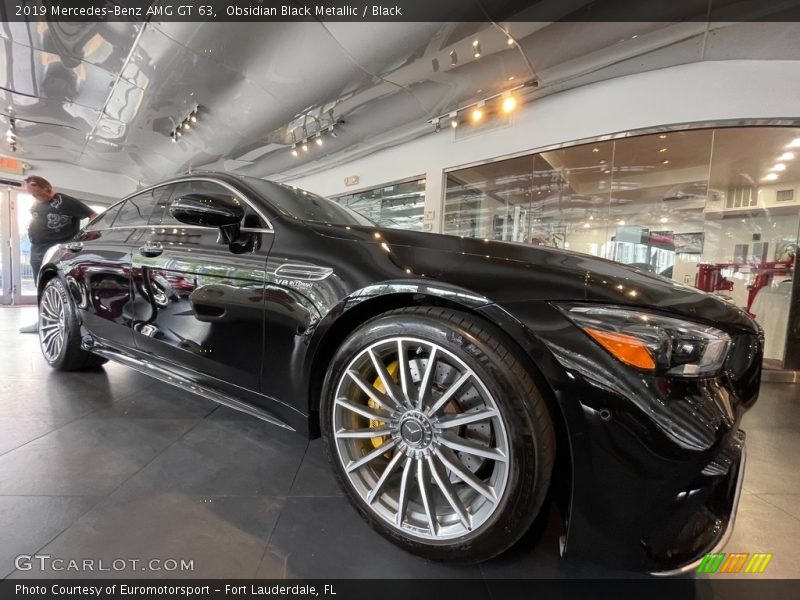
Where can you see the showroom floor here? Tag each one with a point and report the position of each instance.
(113, 465)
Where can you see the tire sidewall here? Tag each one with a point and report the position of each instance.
(71, 328)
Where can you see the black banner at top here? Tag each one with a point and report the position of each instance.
(400, 10)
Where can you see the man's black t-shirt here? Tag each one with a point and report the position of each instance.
(56, 221)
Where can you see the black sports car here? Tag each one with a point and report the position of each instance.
(456, 381)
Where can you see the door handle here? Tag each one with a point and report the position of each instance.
(74, 246)
(151, 249)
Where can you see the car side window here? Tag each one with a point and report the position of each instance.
(105, 219)
(251, 219)
(162, 197)
(136, 211)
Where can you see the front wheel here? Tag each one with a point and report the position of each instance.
(437, 434)
(59, 331)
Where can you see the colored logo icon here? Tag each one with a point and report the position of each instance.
(734, 562)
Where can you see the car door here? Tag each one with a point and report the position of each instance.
(97, 266)
(200, 301)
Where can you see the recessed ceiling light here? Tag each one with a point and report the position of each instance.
(602, 161)
(795, 143)
(662, 150)
(663, 220)
(607, 171)
(786, 156)
(595, 149)
(510, 41)
(663, 136)
(770, 177)
(665, 161)
(511, 78)
(620, 222)
(586, 225)
(476, 115)
(778, 167)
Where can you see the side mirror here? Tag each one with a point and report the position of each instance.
(210, 210)
(207, 210)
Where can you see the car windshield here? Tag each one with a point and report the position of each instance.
(303, 205)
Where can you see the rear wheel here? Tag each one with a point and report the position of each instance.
(437, 433)
(59, 331)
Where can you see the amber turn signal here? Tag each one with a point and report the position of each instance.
(626, 348)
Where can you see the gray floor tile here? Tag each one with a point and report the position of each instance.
(158, 401)
(28, 523)
(87, 457)
(778, 406)
(789, 503)
(16, 432)
(219, 457)
(315, 477)
(760, 527)
(224, 537)
(64, 395)
(770, 468)
(325, 538)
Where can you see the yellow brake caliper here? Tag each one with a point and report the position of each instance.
(392, 370)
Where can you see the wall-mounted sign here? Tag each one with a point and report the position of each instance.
(352, 180)
(11, 165)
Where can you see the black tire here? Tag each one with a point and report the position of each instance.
(69, 356)
(523, 410)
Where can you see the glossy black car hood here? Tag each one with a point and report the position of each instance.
(511, 272)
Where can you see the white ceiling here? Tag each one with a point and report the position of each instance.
(106, 95)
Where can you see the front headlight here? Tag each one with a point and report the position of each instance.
(651, 342)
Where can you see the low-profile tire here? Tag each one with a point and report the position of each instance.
(60, 331)
(449, 458)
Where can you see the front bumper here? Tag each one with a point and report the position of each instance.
(727, 529)
(649, 468)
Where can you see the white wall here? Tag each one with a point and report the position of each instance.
(691, 93)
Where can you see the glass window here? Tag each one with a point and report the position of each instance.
(659, 190)
(105, 217)
(397, 205)
(303, 205)
(161, 196)
(136, 210)
(715, 208)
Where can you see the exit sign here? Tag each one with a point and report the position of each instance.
(11, 165)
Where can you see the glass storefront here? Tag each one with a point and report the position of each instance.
(398, 205)
(715, 208)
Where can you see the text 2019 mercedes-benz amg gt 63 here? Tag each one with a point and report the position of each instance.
(456, 382)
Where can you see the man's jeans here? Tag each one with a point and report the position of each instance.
(37, 256)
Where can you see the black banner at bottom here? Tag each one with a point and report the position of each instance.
(397, 589)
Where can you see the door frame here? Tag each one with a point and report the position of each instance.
(7, 287)
(10, 262)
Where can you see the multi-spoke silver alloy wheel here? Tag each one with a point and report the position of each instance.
(52, 323)
(421, 439)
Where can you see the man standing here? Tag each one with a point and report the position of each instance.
(55, 218)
